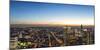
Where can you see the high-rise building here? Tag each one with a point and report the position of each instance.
(13, 43)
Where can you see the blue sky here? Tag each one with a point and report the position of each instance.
(47, 13)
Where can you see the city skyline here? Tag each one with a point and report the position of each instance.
(41, 25)
(50, 13)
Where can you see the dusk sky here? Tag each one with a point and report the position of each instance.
(47, 13)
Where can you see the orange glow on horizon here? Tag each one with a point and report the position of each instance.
(60, 22)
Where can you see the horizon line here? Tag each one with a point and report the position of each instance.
(56, 24)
